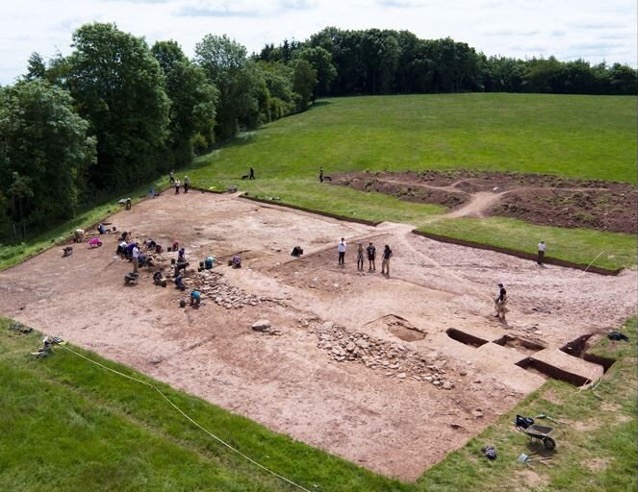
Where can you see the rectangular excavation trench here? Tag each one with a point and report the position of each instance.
(465, 338)
(525, 346)
(549, 371)
(578, 348)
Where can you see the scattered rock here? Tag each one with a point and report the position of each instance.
(398, 360)
(261, 325)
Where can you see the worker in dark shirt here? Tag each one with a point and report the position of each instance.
(500, 302)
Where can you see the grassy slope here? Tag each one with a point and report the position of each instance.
(588, 137)
(70, 425)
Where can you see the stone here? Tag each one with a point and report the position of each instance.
(261, 325)
(447, 385)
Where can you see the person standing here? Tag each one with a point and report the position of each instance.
(372, 253)
(171, 177)
(360, 257)
(321, 174)
(187, 184)
(385, 260)
(500, 302)
(341, 249)
(177, 185)
(135, 254)
(541, 252)
(251, 173)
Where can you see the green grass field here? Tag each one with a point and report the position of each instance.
(70, 425)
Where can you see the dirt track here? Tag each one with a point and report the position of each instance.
(375, 401)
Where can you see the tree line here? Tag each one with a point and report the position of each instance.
(376, 61)
(117, 113)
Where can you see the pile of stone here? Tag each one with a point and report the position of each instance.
(213, 286)
(392, 359)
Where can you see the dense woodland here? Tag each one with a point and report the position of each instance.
(117, 113)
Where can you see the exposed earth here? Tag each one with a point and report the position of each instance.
(389, 372)
(538, 199)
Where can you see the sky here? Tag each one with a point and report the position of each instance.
(592, 30)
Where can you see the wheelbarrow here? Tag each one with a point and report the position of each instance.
(539, 433)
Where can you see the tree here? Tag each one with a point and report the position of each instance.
(543, 75)
(321, 61)
(193, 99)
(238, 80)
(44, 152)
(119, 87)
(36, 67)
(281, 97)
(623, 80)
(455, 65)
(305, 80)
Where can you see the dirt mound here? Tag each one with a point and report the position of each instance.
(538, 199)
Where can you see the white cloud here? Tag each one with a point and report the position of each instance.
(569, 29)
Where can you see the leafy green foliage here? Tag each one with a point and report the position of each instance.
(237, 79)
(304, 82)
(192, 110)
(44, 153)
(118, 86)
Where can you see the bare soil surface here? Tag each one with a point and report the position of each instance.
(360, 364)
(538, 199)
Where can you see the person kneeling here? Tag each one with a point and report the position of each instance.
(196, 298)
(235, 262)
(179, 282)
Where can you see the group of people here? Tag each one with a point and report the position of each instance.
(500, 302)
(177, 184)
(370, 252)
(131, 250)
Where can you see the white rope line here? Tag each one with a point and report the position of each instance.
(190, 419)
(592, 262)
